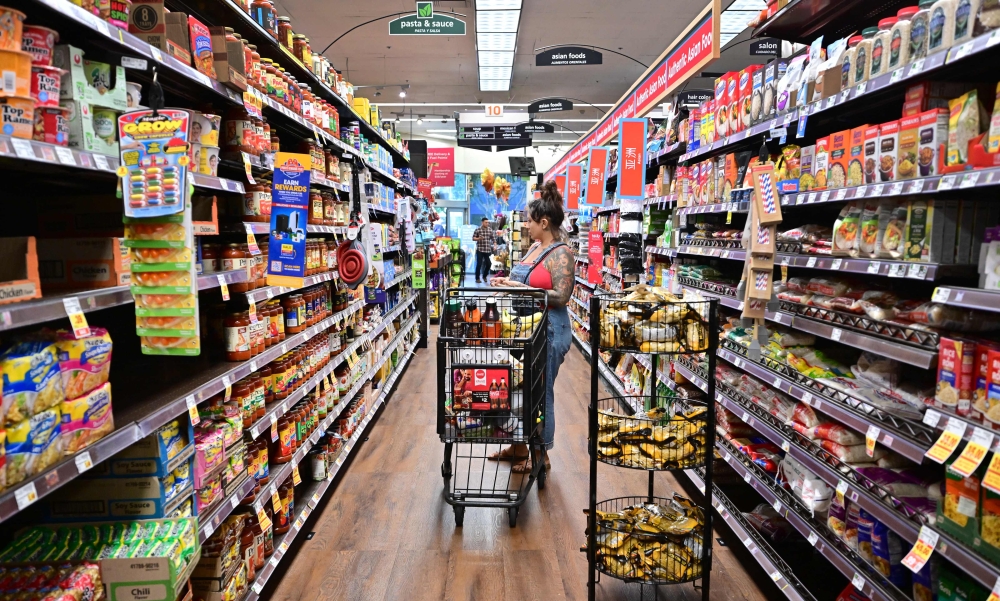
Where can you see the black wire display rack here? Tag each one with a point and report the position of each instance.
(651, 540)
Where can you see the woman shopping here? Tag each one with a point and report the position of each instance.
(547, 265)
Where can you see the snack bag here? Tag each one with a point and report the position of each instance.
(31, 380)
(33, 445)
(84, 363)
(86, 419)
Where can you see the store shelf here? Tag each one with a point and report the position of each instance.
(319, 489)
(968, 298)
(584, 346)
(398, 279)
(606, 210)
(258, 227)
(579, 320)
(584, 282)
(803, 20)
(768, 559)
(580, 302)
(210, 521)
(17, 149)
(392, 314)
(317, 179)
(966, 180)
(615, 273)
(668, 150)
(660, 201)
(268, 292)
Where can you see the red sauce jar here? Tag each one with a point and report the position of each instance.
(294, 314)
(268, 381)
(237, 334)
(238, 131)
(234, 259)
(285, 32)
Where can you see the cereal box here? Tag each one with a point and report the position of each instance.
(888, 141)
(721, 106)
(981, 371)
(757, 96)
(956, 381)
(733, 98)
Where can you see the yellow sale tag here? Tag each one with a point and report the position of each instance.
(948, 441)
(841, 491)
(274, 431)
(251, 240)
(193, 410)
(253, 310)
(729, 217)
(265, 522)
(296, 478)
(973, 453)
(871, 437)
(922, 549)
(275, 500)
(995, 594)
(784, 273)
(224, 287)
(247, 167)
(76, 318)
(992, 478)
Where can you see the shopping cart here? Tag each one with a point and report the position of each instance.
(491, 393)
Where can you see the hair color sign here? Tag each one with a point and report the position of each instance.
(573, 175)
(597, 175)
(632, 159)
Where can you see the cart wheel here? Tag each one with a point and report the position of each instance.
(459, 515)
(541, 478)
(512, 516)
(446, 470)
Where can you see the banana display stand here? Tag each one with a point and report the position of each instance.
(651, 540)
(491, 394)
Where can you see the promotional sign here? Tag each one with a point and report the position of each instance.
(595, 252)
(568, 55)
(536, 127)
(764, 47)
(154, 167)
(597, 175)
(441, 166)
(573, 175)
(424, 187)
(479, 388)
(289, 211)
(550, 105)
(561, 185)
(688, 54)
(419, 280)
(632, 159)
(425, 22)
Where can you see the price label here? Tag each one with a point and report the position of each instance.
(962, 51)
(836, 334)
(916, 66)
(896, 188)
(265, 522)
(257, 588)
(811, 262)
(23, 148)
(973, 453)
(835, 265)
(874, 266)
(807, 398)
(931, 418)
(800, 131)
(275, 500)
(296, 478)
(746, 416)
(786, 446)
(995, 594)
(947, 182)
(26, 495)
(253, 309)
(969, 180)
(916, 187)
(223, 286)
(101, 161)
(825, 196)
(916, 271)
(192, 408)
(859, 192)
(251, 240)
(948, 441)
(842, 487)
(897, 270)
(845, 95)
(76, 317)
(233, 501)
(746, 477)
(65, 156)
(247, 167)
(83, 461)
(777, 505)
(871, 437)
(877, 190)
(813, 538)
(859, 582)
(896, 75)
(274, 430)
(921, 552)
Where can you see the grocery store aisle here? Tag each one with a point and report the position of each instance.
(386, 533)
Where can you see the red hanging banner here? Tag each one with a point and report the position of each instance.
(561, 185)
(597, 175)
(573, 174)
(595, 252)
(632, 159)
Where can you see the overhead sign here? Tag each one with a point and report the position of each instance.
(441, 166)
(494, 110)
(697, 46)
(632, 159)
(597, 175)
(550, 105)
(764, 47)
(574, 173)
(561, 184)
(425, 22)
(508, 135)
(568, 55)
(536, 127)
(694, 97)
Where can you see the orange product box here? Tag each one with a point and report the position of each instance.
(839, 156)
(856, 158)
(83, 263)
(909, 142)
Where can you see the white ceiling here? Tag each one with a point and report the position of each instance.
(444, 70)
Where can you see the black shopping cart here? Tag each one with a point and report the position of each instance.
(491, 393)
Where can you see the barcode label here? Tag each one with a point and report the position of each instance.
(9, 82)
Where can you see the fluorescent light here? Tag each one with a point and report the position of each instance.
(496, 59)
(724, 38)
(492, 21)
(496, 41)
(498, 4)
(494, 72)
(754, 5)
(735, 21)
(494, 85)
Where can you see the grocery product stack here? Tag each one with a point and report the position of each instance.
(864, 430)
(152, 213)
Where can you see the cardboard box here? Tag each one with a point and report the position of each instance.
(147, 22)
(931, 227)
(964, 493)
(888, 142)
(123, 466)
(839, 157)
(856, 158)
(773, 72)
(906, 151)
(932, 139)
(97, 499)
(757, 96)
(733, 99)
(178, 40)
(91, 82)
(148, 579)
(82, 136)
(870, 160)
(807, 158)
(83, 263)
(721, 106)
(200, 46)
(821, 163)
(205, 215)
(19, 271)
(230, 66)
(746, 95)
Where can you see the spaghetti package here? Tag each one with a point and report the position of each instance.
(86, 418)
(84, 363)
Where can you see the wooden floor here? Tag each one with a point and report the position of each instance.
(386, 533)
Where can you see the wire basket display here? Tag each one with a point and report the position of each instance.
(652, 541)
(662, 438)
(648, 322)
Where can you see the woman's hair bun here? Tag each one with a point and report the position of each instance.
(550, 205)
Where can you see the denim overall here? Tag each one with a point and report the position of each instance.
(558, 340)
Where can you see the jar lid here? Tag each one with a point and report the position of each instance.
(905, 14)
(289, 19)
(887, 22)
(869, 32)
(854, 41)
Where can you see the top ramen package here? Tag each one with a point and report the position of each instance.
(154, 153)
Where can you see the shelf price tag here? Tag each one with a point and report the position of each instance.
(83, 462)
(228, 385)
(871, 437)
(931, 418)
(922, 549)
(941, 295)
(836, 334)
(253, 309)
(23, 148)
(947, 182)
(251, 240)
(813, 538)
(275, 500)
(265, 522)
(192, 407)
(841, 491)
(995, 594)
(859, 582)
(223, 286)
(948, 441)
(101, 161)
(26, 495)
(296, 477)
(274, 428)
(973, 453)
(247, 167)
(65, 156)
(992, 478)
(76, 317)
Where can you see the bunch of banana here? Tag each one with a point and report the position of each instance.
(654, 441)
(517, 326)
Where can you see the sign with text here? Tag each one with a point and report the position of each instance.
(478, 136)
(561, 184)
(568, 55)
(597, 175)
(494, 110)
(441, 166)
(573, 175)
(550, 105)
(764, 47)
(595, 252)
(424, 187)
(289, 212)
(688, 54)
(694, 97)
(536, 127)
(632, 159)
(425, 22)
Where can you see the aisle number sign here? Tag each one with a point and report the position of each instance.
(573, 175)
(494, 110)
(597, 175)
(632, 159)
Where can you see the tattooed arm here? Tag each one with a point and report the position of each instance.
(560, 264)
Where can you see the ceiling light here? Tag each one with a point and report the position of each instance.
(496, 59)
(377, 93)
(499, 4)
(493, 21)
(494, 85)
(735, 21)
(754, 5)
(420, 120)
(494, 72)
(496, 41)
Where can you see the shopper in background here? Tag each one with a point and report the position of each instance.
(548, 265)
(485, 242)
(439, 229)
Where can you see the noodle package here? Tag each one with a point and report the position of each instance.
(31, 379)
(84, 363)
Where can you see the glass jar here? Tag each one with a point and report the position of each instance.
(264, 245)
(250, 266)
(247, 548)
(263, 12)
(237, 334)
(210, 258)
(238, 130)
(299, 47)
(281, 450)
(255, 75)
(315, 207)
(266, 379)
(293, 308)
(242, 395)
(329, 203)
(259, 395)
(257, 202)
(285, 32)
(278, 320)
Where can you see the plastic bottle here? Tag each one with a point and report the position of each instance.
(919, 29)
(899, 40)
(880, 47)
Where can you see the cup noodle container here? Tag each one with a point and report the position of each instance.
(52, 125)
(11, 28)
(45, 83)
(38, 42)
(17, 116)
(105, 123)
(205, 129)
(15, 73)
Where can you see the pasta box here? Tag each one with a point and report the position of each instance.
(906, 149)
(807, 180)
(958, 509)
(746, 94)
(839, 158)
(855, 163)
